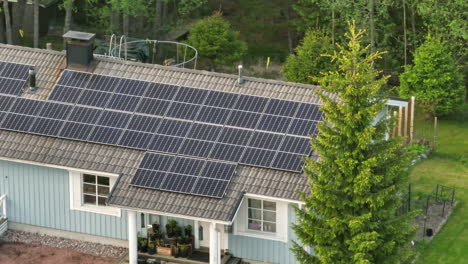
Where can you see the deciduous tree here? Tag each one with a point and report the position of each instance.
(350, 214)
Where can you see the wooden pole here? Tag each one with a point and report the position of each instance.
(412, 120)
(400, 120)
(405, 122)
(395, 127)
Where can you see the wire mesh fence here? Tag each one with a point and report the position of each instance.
(434, 206)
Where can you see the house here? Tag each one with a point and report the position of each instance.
(98, 149)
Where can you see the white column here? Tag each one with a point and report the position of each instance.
(218, 247)
(132, 237)
(214, 245)
(196, 233)
(3, 204)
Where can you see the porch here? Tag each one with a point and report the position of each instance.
(3, 214)
(173, 239)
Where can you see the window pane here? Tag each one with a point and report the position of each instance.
(103, 190)
(255, 225)
(269, 216)
(269, 206)
(103, 180)
(102, 201)
(269, 227)
(89, 199)
(90, 189)
(255, 214)
(255, 203)
(89, 178)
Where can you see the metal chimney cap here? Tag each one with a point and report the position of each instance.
(77, 35)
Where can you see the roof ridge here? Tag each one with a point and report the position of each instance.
(46, 51)
(205, 72)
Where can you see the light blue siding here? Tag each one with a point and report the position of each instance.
(263, 249)
(40, 196)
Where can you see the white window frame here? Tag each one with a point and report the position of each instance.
(76, 194)
(241, 221)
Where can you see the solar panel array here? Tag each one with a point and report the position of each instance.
(215, 127)
(13, 77)
(184, 175)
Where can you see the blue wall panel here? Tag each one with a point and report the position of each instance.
(263, 249)
(40, 196)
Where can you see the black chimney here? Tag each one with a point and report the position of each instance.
(79, 47)
(32, 79)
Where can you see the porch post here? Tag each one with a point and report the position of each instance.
(132, 237)
(214, 245)
(196, 233)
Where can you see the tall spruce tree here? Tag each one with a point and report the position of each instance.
(356, 184)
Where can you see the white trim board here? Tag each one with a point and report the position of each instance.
(61, 167)
(173, 215)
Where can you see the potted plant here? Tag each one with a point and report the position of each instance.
(178, 231)
(184, 250)
(151, 248)
(143, 245)
(155, 226)
(171, 228)
(188, 230)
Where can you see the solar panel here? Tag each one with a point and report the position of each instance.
(13, 77)
(66, 94)
(237, 128)
(184, 174)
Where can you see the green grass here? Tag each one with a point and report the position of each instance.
(447, 166)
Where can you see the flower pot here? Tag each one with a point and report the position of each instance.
(151, 251)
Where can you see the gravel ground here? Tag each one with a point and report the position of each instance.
(50, 241)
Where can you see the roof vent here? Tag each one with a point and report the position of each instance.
(79, 47)
(241, 77)
(32, 79)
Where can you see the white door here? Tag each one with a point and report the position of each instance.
(204, 234)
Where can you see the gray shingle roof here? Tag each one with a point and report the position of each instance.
(97, 157)
(102, 158)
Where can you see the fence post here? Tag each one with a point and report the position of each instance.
(427, 203)
(412, 120)
(443, 209)
(453, 196)
(437, 192)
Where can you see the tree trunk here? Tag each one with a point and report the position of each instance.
(68, 16)
(333, 25)
(6, 9)
(2, 28)
(413, 24)
(126, 22)
(157, 20)
(18, 18)
(290, 44)
(115, 19)
(404, 32)
(36, 24)
(372, 25)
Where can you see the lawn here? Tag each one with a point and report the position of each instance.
(448, 165)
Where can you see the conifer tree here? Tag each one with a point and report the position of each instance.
(355, 185)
